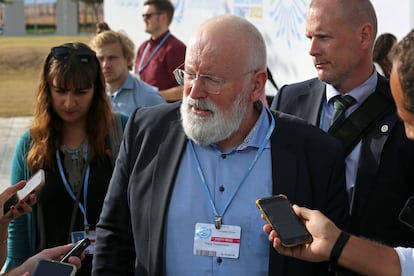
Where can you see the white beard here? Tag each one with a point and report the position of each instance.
(206, 130)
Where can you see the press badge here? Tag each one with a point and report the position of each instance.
(223, 242)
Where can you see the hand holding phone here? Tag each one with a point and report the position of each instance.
(77, 249)
(33, 185)
(278, 212)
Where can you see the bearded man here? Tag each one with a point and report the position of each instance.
(182, 197)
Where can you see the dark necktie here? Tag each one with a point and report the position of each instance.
(341, 103)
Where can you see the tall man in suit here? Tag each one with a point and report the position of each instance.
(182, 197)
(365, 256)
(379, 166)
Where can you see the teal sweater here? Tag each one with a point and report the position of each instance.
(22, 231)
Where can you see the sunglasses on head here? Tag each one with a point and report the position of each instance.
(63, 53)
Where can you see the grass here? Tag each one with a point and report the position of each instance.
(20, 63)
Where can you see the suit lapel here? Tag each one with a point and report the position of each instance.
(311, 102)
(283, 168)
(371, 150)
(284, 178)
(284, 165)
(170, 153)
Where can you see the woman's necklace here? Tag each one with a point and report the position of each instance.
(74, 153)
(74, 164)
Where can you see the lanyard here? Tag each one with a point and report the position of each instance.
(219, 216)
(142, 67)
(85, 183)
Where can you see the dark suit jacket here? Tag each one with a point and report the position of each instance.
(307, 166)
(386, 167)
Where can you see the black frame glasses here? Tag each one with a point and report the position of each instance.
(148, 16)
(64, 52)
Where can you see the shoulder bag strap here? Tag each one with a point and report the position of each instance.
(369, 113)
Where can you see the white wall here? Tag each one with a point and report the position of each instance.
(282, 23)
(394, 16)
(66, 17)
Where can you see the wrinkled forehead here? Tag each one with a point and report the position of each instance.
(207, 48)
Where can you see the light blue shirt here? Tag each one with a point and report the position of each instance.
(360, 94)
(134, 94)
(189, 205)
(406, 256)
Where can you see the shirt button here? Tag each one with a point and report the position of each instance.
(223, 156)
(219, 260)
(221, 189)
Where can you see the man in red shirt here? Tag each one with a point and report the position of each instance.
(158, 56)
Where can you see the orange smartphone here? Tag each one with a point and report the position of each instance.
(278, 212)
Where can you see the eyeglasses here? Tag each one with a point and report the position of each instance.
(211, 83)
(63, 53)
(147, 16)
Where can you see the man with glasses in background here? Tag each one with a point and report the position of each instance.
(182, 197)
(157, 57)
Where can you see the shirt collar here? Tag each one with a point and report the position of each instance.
(128, 85)
(159, 38)
(360, 93)
(257, 134)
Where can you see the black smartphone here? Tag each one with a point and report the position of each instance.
(48, 267)
(77, 249)
(279, 214)
(406, 215)
(33, 185)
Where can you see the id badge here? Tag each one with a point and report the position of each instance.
(223, 242)
(78, 235)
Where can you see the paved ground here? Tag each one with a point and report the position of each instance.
(10, 131)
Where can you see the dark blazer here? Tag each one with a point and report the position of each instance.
(386, 167)
(307, 166)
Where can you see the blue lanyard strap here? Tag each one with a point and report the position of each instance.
(142, 67)
(85, 183)
(204, 182)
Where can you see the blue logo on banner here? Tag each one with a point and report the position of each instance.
(289, 16)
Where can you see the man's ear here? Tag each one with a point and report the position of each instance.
(164, 18)
(367, 36)
(258, 85)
